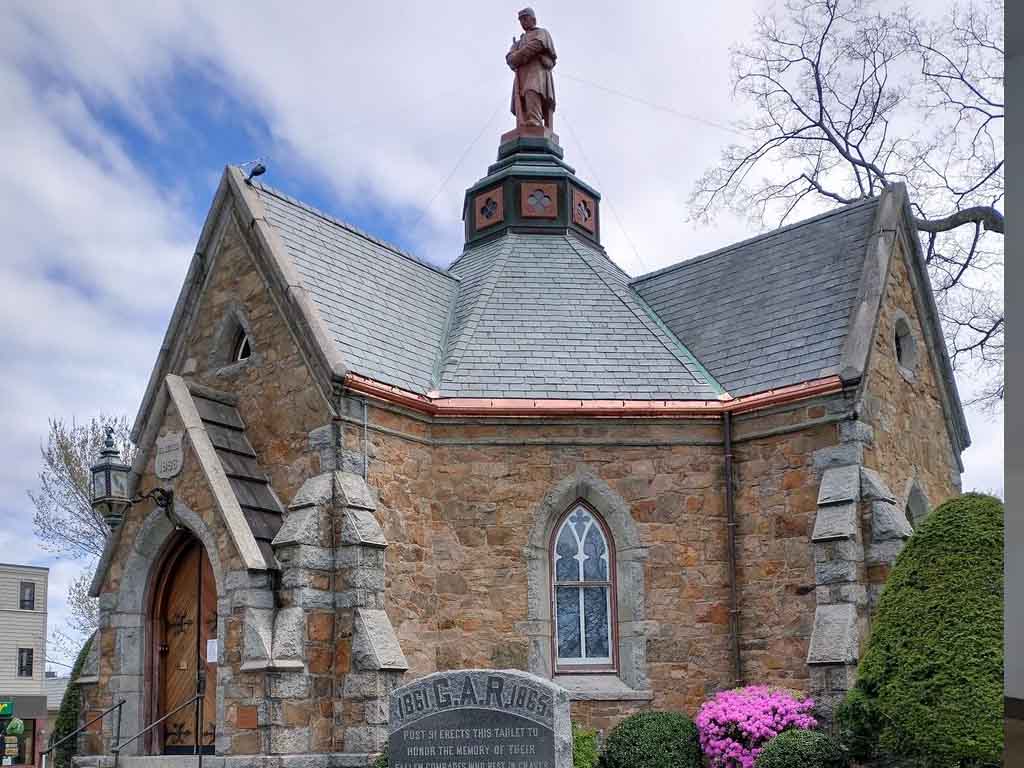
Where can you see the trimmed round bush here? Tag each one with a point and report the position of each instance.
(653, 740)
(735, 725)
(802, 749)
(930, 683)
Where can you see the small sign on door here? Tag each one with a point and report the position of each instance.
(211, 651)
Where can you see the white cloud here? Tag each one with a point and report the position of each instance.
(374, 100)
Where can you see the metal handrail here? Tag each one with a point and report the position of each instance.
(199, 716)
(45, 753)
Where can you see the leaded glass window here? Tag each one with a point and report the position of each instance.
(582, 568)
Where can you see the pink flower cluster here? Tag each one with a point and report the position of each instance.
(735, 725)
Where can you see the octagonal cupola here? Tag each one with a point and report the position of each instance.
(531, 189)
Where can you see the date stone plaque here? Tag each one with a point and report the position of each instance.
(480, 718)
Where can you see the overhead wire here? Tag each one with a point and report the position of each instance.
(653, 104)
(607, 200)
(455, 168)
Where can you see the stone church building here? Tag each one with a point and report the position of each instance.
(647, 489)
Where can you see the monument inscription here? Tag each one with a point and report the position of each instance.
(480, 719)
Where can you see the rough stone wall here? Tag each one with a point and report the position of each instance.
(280, 404)
(457, 515)
(911, 442)
(123, 632)
(457, 501)
(277, 395)
(776, 504)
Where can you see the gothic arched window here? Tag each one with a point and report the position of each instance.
(583, 594)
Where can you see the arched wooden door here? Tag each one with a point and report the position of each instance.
(184, 618)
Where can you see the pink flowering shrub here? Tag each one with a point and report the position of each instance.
(734, 726)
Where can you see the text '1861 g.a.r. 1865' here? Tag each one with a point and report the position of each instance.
(480, 718)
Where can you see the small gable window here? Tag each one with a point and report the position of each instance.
(234, 345)
(242, 348)
(905, 345)
(583, 564)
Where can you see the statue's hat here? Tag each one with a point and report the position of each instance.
(527, 12)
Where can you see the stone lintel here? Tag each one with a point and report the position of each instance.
(374, 644)
(834, 638)
(835, 521)
(839, 484)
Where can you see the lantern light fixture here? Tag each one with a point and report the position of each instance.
(110, 486)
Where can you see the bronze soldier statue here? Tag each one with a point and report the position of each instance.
(532, 57)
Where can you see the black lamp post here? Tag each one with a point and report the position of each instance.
(110, 486)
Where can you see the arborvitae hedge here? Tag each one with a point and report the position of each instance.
(654, 740)
(930, 684)
(69, 714)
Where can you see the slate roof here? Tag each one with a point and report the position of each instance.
(262, 509)
(386, 310)
(773, 310)
(549, 316)
(543, 315)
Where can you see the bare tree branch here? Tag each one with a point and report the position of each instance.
(846, 102)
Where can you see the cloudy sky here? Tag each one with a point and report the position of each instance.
(120, 118)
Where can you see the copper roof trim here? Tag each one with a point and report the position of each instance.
(530, 407)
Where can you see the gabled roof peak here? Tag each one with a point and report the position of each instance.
(268, 190)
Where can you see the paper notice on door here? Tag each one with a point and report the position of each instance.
(211, 651)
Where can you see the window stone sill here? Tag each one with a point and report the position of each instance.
(600, 688)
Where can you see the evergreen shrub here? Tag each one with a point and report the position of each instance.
(930, 684)
(802, 749)
(654, 740)
(69, 715)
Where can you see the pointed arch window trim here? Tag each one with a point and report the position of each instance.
(583, 663)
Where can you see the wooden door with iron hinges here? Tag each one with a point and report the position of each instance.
(185, 611)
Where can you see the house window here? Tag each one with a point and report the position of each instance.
(28, 596)
(583, 568)
(25, 662)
